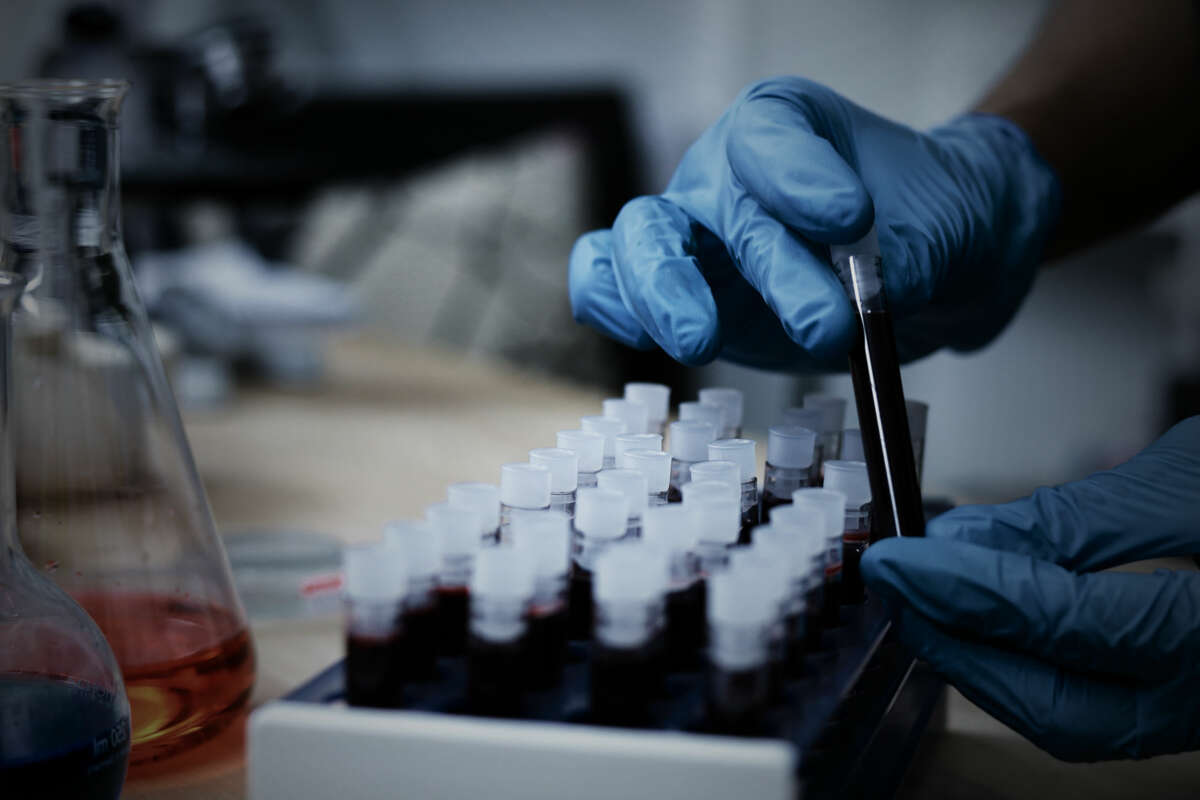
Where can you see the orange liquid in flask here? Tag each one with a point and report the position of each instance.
(188, 667)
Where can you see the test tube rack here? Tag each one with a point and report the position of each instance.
(848, 727)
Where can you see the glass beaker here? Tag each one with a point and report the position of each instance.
(64, 718)
(108, 498)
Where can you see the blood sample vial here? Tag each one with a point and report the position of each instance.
(497, 653)
(418, 547)
(589, 449)
(790, 453)
(456, 533)
(543, 538)
(671, 530)
(689, 440)
(374, 591)
(740, 617)
(851, 479)
(601, 517)
(741, 452)
(630, 581)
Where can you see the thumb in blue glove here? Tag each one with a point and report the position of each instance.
(1003, 602)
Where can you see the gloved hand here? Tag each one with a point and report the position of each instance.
(732, 260)
(1005, 603)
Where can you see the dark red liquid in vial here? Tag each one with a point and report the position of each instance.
(546, 646)
(495, 676)
(60, 738)
(453, 617)
(853, 545)
(686, 627)
(814, 619)
(738, 699)
(749, 523)
(624, 681)
(831, 611)
(887, 445)
(579, 603)
(375, 670)
(421, 641)
(674, 495)
(770, 501)
(795, 626)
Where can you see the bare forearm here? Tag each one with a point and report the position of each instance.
(1109, 90)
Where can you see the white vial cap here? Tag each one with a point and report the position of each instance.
(545, 536)
(635, 441)
(790, 446)
(628, 482)
(630, 571)
(703, 412)
(791, 550)
(586, 445)
(502, 572)
(918, 417)
(761, 565)
(867, 246)
(563, 466)
(455, 528)
(690, 439)
(416, 542)
(524, 486)
(656, 397)
(804, 525)
(811, 418)
(671, 527)
(374, 571)
(726, 472)
(830, 502)
(735, 598)
(654, 464)
(832, 408)
(730, 400)
(482, 498)
(634, 415)
(739, 451)
(850, 478)
(608, 427)
(852, 449)
(718, 512)
(601, 513)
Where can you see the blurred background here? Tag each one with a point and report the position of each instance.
(422, 167)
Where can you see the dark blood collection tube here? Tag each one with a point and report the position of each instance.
(791, 451)
(689, 440)
(632, 484)
(671, 532)
(832, 507)
(742, 453)
(742, 614)
(523, 487)
(482, 498)
(627, 651)
(374, 588)
(850, 478)
(418, 547)
(601, 517)
(456, 531)
(502, 589)
(543, 538)
(731, 403)
(833, 414)
(655, 465)
(564, 476)
(588, 447)
(879, 394)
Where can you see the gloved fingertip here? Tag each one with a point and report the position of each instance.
(880, 563)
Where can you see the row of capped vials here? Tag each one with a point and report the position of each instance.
(585, 542)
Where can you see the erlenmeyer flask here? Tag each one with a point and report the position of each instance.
(108, 499)
(64, 719)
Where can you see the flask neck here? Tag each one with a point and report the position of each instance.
(60, 166)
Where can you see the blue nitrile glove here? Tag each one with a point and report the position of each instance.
(1004, 602)
(732, 260)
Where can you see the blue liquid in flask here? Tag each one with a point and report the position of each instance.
(60, 738)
